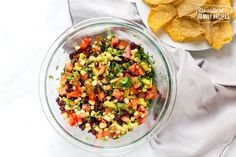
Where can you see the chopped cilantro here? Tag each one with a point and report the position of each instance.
(125, 83)
(51, 77)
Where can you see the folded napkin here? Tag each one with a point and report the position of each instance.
(203, 121)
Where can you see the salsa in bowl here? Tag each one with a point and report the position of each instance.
(113, 82)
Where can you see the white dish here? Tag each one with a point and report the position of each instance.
(144, 10)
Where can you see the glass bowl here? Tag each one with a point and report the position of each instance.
(164, 75)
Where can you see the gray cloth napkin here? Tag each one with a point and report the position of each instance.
(203, 121)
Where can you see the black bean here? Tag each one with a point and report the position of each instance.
(96, 99)
(58, 100)
(71, 55)
(75, 60)
(119, 121)
(96, 122)
(96, 64)
(132, 45)
(62, 108)
(96, 91)
(117, 117)
(86, 99)
(104, 99)
(109, 124)
(82, 83)
(93, 132)
(62, 103)
(82, 127)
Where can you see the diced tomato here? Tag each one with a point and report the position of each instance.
(63, 90)
(91, 96)
(102, 69)
(98, 135)
(85, 43)
(134, 90)
(107, 110)
(141, 108)
(117, 94)
(127, 74)
(68, 66)
(125, 118)
(152, 93)
(84, 76)
(101, 95)
(73, 94)
(141, 120)
(95, 48)
(72, 119)
(105, 133)
(127, 53)
(122, 44)
(89, 88)
(115, 41)
(90, 92)
(142, 95)
(85, 107)
(136, 69)
(63, 78)
(133, 102)
(98, 38)
(76, 93)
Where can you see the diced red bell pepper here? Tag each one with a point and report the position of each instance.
(101, 95)
(136, 69)
(152, 93)
(117, 94)
(122, 44)
(85, 43)
(115, 41)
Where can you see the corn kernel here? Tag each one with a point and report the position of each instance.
(82, 62)
(132, 118)
(94, 83)
(82, 111)
(65, 115)
(87, 113)
(102, 125)
(92, 113)
(83, 95)
(115, 100)
(67, 107)
(95, 77)
(92, 102)
(109, 37)
(77, 48)
(126, 100)
(108, 97)
(92, 107)
(87, 127)
(136, 113)
(107, 118)
(143, 115)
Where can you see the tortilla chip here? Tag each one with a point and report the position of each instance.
(189, 6)
(222, 33)
(208, 32)
(177, 2)
(160, 15)
(155, 2)
(181, 29)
